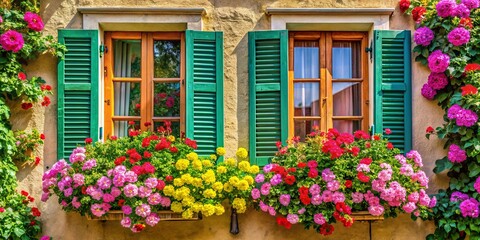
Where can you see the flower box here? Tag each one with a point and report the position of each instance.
(165, 215)
(366, 216)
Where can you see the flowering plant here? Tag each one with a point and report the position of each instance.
(450, 49)
(17, 218)
(26, 144)
(322, 180)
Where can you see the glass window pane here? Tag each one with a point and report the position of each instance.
(303, 128)
(347, 126)
(347, 99)
(306, 99)
(175, 127)
(127, 58)
(120, 128)
(166, 62)
(305, 59)
(346, 59)
(166, 100)
(127, 99)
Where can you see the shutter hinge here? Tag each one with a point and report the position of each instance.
(370, 50)
(103, 49)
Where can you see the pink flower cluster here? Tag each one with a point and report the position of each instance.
(34, 21)
(11, 40)
(456, 154)
(438, 61)
(423, 36)
(477, 185)
(459, 36)
(445, 8)
(463, 117)
(470, 208)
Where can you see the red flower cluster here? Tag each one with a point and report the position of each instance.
(362, 177)
(42, 136)
(134, 156)
(45, 87)
(388, 131)
(2, 209)
(163, 144)
(145, 168)
(191, 143)
(304, 198)
(88, 140)
(466, 22)
(331, 146)
(133, 133)
(138, 227)
(390, 145)
(113, 137)
(342, 214)
(22, 76)
(46, 101)
(160, 185)
(469, 89)
(37, 161)
(326, 229)
(120, 160)
(417, 14)
(404, 5)
(27, 105)
(282, 221)
(355, 151)
(36, 212)
(121, 202)
(359, 134)
(348, 183)
(472, 67)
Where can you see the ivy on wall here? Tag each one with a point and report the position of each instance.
(448, 43)
(21, 41)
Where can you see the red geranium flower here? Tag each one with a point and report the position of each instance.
(147, 154)
(139, 227)
(367, 145)
(390, 145)
(148, 168)
(326, 229)
(173, 149)
(404, 5)
(32, 223)
(362, 177)
(131, 122)
(147, 124)
(113, 138)
(137, 106)
(282, 221)
(348, 183)
(169, 178)
(355, 150)
(388, 131)
(417, 14)
(313, 173)
(301, 165)
(88, 140)
(430, 129)
(2, 209)
(191, 143)
(469, 89)
(36, 212)
(24, 193)
(37, 161)
(45, 87)
(289, 179)
(160, 185)
(120, 160)
(361, 135)
(26, 105)
(46, 101)
(291, 170)
(121, 202)
(466, 22)
(84, 190)
(31, 199)
(472, 67)
(366, 161)
(305, 199)
(376, 137)
(133, 133)
(303, 190)
(42, 136)
(22, 76)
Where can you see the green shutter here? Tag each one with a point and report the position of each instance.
(268, 76)
(393, 88)
(77, 90)
(204, 115)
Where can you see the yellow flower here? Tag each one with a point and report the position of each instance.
(197, 164)
(254, 169)
(213, 157)
(209, 193)
(231, 162)
(208, 210)
(239, 204)
(178, 182)
(207, 163)
(244, 166)
(217, 186)
(209, 176)
(188, 201)
(234, 180)
(219, 209)
(168, 190)
(197, 182)
(227, 187)
(187, 178)
(196, 207)
(221, 151)
(242, 185)
(221, 169)
(187, 214)
(176, 207)
(192, 156)
(182, 164)
(249, 179)
(171, 138)
(242, 153)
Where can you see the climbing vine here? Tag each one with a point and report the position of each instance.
(448, 43)
(21, 41)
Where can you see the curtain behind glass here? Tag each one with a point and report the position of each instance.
(123, 63)
(306, 59)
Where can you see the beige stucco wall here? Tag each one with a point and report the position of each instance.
(235, 18)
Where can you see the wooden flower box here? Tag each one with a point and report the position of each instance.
(366, 216)
(165, 215)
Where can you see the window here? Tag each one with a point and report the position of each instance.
(327, 83)
(148, 77)
(144, 81)
(306, 79)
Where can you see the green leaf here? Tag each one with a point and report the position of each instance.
(442, 165)
(19, 231)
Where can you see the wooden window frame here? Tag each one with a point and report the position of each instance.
(147, 79)
(325, 80)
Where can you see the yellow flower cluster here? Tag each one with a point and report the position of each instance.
(209, 193)
(197, 165)
(244, 166)
(171, 138)
(209, 176)
(221, 151)
(192, 156)
(182, 164)
(242, 153)
(239, 204)
(221, 169)
(181, 193)
(231, 162)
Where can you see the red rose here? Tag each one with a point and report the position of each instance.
(24, 193)
(169, 178)
(26, 105)
(404, 5)
(301, 165)
(326, 229)
(289, 179)
(160, 185)
(46, 101)
(37, 161)
(417, 14)
(469, 89)
(22, 76)
(430, 129)
(366, 161)
(348, 183)
(362, 177)
(2, 209)
(121, 202)
(388, 131)
(173, 149)
(88, 140)
(36, 212)
(390, 145)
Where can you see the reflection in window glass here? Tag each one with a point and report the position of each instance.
(166, 100)
(175, 127)
(347, 99)
(346, 59)
(166, 59)
(303, 128)
(305, 59)
(127, 58)
(347, 126)
(121, 127)
(127, 99)
(306, 99)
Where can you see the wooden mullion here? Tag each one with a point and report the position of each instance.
(167, 80)
(347, 79)
(307, 80)
(108, 104)
(327, 99)
(123, 79)
(303, 118)
(347, 117)
(144, 96)
(126, 118)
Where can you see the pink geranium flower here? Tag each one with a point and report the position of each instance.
(34, 21)
(11, 40)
